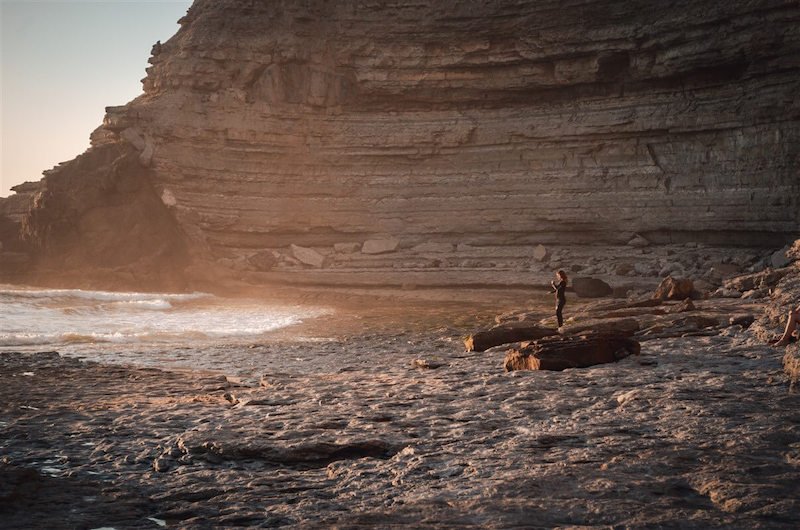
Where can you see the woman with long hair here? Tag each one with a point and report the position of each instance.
(561, 297)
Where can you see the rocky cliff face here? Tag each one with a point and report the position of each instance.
(439, 128)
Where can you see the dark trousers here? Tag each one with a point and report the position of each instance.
(559, 312)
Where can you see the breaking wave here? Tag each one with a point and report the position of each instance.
(53, 317)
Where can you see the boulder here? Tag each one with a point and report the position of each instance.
(506, 334)
(307, 256)
(560, 353)
(379, 246)
(686, 305)
(263, 261)
(670, 268)
(779, 259)
(427, 364)
(674, 289)
(745, 320)
(621, 291)
(346, 248)
(540, 253)
(755, 294)
(723, 292)
(591, 287)
(638, 241)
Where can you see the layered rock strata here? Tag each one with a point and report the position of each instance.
(433, 127)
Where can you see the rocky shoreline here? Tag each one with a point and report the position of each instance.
(405, 429)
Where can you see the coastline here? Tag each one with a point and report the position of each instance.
(696, 431)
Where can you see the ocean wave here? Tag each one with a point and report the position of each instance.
(155, 304)
(58, 317)
(182, 331)
(103, 296)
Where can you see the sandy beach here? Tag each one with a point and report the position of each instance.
(389, 423)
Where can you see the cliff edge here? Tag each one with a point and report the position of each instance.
(369, 143)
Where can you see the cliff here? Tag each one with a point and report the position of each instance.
(282, 136)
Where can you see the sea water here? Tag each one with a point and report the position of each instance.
(137, 327)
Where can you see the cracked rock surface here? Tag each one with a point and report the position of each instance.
(405, 429)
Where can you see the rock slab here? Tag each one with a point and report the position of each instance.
(506, 334)
(561, 353)
(591, 287)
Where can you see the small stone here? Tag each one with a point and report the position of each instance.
(638, 241)
(346, 248)
(723, 292)
(168, 198)
(426, 364)
(161, 464)
(263, 261)
(779, 258)
(379, 246)
(742, 320)
(308, 256)
(627, 396)
(540, 253)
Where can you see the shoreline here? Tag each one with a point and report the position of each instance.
(389, 423)
(696, 431)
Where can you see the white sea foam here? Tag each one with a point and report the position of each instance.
(39, 317)
(96, 295)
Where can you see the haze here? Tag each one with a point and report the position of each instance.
(63, 62)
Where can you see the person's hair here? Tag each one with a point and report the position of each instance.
(562, 275)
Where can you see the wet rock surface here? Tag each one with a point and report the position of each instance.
(406, 429)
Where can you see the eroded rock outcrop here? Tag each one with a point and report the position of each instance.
(674, 289)
(469, 124)
(561, 353)
(506, 334)
(99, 215)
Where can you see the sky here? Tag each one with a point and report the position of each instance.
(63, 62)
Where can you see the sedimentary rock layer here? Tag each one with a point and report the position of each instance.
(268, 124)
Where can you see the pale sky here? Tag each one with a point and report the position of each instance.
(63, 62)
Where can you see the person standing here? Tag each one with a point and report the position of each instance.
(561, 298)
